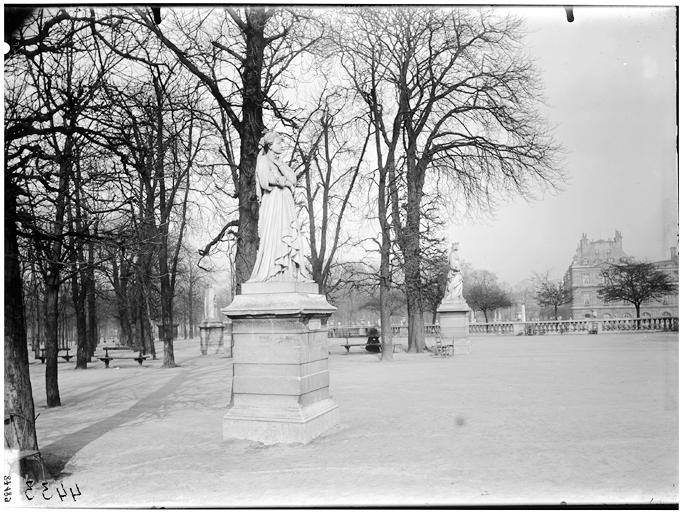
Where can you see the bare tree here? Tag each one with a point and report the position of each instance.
(258, 45)
(20, 122)
(483, 293)
(189, 279)
(360, 56)
(331, 160)
(58, 85)
(550, 293)
(634, 282)
(460, 100)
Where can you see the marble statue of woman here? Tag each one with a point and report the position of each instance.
(454, 291)
(280, 255)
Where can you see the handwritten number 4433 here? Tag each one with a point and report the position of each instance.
(44, 492)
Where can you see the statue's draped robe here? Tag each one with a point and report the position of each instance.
(454, 290)
(280, 252)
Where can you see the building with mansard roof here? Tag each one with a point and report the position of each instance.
(583, 278)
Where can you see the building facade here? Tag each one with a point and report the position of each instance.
(583, 278)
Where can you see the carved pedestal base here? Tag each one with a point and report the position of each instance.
(453, 320)
(281, 378)
(214, 338)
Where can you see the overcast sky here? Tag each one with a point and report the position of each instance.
(610, 90)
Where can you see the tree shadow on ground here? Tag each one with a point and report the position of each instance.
(57, 454)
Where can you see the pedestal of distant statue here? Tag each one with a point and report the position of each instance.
(280, 387)
(454, 310)
(212, 329)
(212, 338)
(454, 320)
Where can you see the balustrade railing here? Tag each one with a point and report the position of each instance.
(585, 326)
(492, 328)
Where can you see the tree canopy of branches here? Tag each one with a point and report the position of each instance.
(454, 101)
(119, 128)
(331, 155)
(634, 282)
(551, 294)
(242, 64)
(485, 294)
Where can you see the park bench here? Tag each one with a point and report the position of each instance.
(43, 354)
(397, 347)
(348, 345)
(140, 358)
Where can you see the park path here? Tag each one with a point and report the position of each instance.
(518, 420)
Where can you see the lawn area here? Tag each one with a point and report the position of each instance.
(542, 419)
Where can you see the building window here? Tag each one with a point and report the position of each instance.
(585, 279)
(665, 300)
(587, 299)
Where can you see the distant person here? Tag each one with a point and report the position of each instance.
(373, 340)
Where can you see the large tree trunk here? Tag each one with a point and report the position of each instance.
(121, 278)
(78, 293)
(146, 328)
(19, 407)
(79, 277)
(161, 233)
(384, 269)
(415, 328)
(191, 308)
(52, 281)
(166, 313)
(412, 277)
(91, 300)
(52, 337)
(384, 298)
(250, 133)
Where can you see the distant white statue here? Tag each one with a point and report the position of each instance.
(280, 255)
(454, 290)
(209, 305)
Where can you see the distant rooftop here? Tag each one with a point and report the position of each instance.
(591, 252)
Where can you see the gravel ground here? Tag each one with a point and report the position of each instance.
(524, 420)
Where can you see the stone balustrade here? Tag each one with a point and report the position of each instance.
(664, 323)
(492, 328)
(585, 326)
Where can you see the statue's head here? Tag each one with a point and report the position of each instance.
(268, 140)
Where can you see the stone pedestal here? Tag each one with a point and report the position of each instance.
(280, 388)
(215, 338)
(454, 320)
